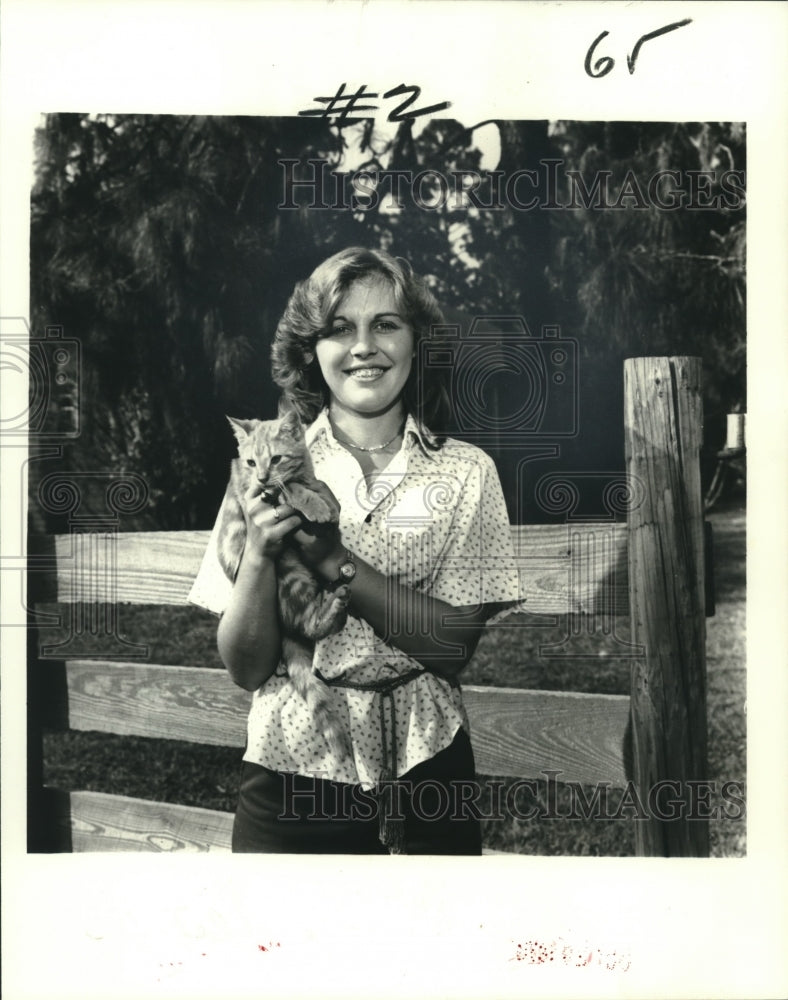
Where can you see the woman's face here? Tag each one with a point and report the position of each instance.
(367, 354)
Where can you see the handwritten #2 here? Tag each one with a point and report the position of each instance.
(342, 104)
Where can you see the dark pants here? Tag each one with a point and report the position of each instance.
(293, 814)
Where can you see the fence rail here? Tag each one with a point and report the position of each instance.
(654, 565)
(515, 732)
(576, 568)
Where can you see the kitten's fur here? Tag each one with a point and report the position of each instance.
(274, 452)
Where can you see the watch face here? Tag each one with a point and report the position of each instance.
(347, 570)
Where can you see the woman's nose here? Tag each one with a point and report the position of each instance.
(365, 343)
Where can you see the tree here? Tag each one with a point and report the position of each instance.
(159, 242)
(649, 279)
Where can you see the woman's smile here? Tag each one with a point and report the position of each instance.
(367, 373)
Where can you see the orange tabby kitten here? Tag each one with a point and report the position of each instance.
(274, 453)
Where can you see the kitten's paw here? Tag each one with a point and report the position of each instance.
(337, 609)
(312, 505)
(338, 617)
(342, 594)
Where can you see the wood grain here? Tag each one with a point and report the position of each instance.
(514, 732)
(575, 568)
(94, 822)
(102, 822)
(527, 733)
(663, 435)
(194, 704)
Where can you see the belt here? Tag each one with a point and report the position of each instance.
(392, 833)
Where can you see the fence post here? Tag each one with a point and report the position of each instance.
(663, 431)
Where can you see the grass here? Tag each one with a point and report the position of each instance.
(171, 771)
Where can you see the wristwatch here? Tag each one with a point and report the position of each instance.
(347, 568)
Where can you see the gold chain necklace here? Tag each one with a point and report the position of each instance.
(377, 447)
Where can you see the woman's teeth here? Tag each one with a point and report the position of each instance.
(366, 374)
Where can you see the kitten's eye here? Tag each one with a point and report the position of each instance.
(251, 462)
(274, 459)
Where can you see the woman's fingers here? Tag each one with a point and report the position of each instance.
(251, 501)
(275, 522)
(283, 527)
(282, 512)
(254, 501)
(274, 515)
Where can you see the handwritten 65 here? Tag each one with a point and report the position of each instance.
(606, 63)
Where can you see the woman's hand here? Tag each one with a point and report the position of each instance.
(267, 526)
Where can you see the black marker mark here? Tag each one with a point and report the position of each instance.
(602, 66)
(632, 59)
(605, 64)
(396, 115)
(340, 106)
(350, 104)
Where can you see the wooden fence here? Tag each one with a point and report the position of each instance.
(651, 569)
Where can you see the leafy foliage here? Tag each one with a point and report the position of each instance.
(159, 243)
(646, 280)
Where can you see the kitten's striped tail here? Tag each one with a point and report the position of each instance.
(316, 694)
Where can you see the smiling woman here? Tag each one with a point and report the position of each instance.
(421, 554)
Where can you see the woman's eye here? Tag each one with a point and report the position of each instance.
(384, 325)
(251, 462)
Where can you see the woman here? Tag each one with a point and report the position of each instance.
(423, 544)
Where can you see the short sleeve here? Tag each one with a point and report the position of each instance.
(211, 588)
(477, 564)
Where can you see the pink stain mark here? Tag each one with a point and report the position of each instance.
(564, 953)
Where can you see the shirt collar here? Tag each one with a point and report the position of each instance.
(322, 426)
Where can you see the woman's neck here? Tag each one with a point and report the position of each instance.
(369, 433)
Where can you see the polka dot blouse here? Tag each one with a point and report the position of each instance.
(434, 520)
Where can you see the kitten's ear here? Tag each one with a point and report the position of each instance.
(290, 422)
(241, 428)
